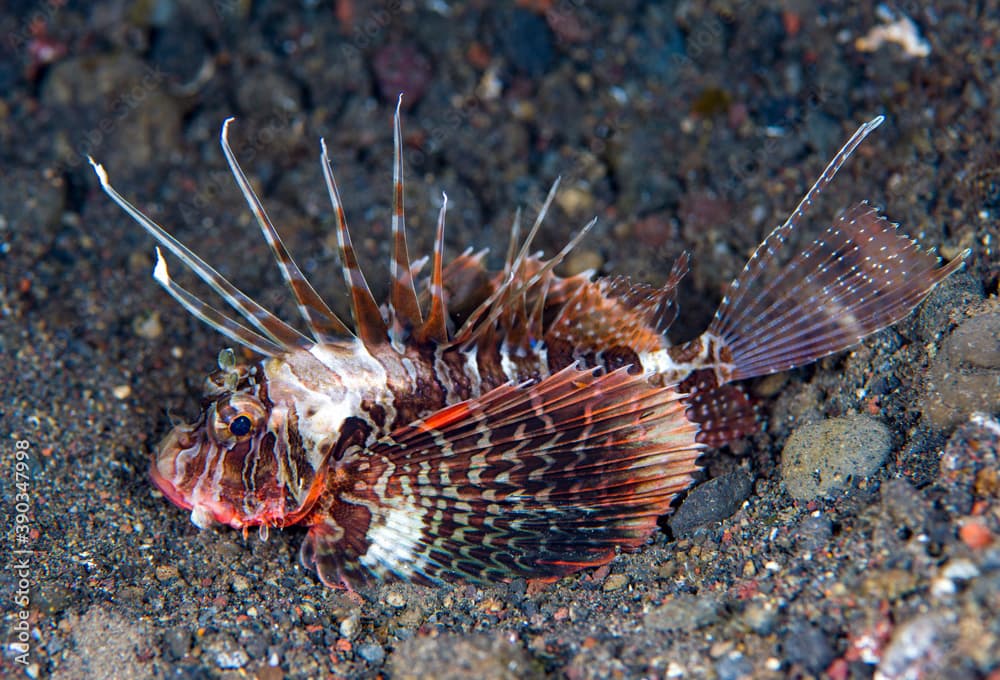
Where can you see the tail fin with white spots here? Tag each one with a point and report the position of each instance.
(859, 277)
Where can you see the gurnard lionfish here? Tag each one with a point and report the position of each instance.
(542, 433)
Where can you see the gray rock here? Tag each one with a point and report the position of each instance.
(226, 652)
(807, 646)
(176, 643)
(372, 653)
(713, 501)
(684, 613)
(734, 666)
(964, 377)
(120, 111)
(903, 503)
(760, 618)
(824, 457)
(813, 532)
(454, 657)
(918, 646)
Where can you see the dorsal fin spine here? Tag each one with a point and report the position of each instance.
(324, 324)
(435, 326)
(404, 310)
(371, 328)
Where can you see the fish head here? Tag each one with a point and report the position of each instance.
(229, 466)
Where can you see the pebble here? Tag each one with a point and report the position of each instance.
(644, 186)
(26, 197)
(813, 532)
(960, 569)
(165, 572)
(401, 67)
(180, 51)
(684, 613)
(349, 626)
(239, 583)
(977, 341)
(957, 570)
(235, 658)
(269, 673)
(701, 212)
(975, 534)
(807, 646)
(226, 652)
(915, 645)
(148, 326)
(713, 501)
(176, 643)
(652, 231)
(372, 653)
(760, 617)
(395, 599)
(964, 377)
(903, 503)
(411, 617)
(457, 657)
(734, 666)
(891, 584)
(267, 89)
(820, 458)
(119, 110)
(582, 260)
(771, 385)
(575, 201)
(615, 582)
(525, 41)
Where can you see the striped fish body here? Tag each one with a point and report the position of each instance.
(542, 433)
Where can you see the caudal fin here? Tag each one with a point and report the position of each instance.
(859, 277)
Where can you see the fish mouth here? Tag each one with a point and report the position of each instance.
(206, 507)
(162, 469)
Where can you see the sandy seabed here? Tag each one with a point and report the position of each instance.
(684, 127)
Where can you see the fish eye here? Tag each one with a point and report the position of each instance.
(236, 417)
(241, 425)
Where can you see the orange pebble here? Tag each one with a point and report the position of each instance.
(792, 22)
(975, 535)
(478, 56)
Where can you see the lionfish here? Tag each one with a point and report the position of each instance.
(543, 433)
